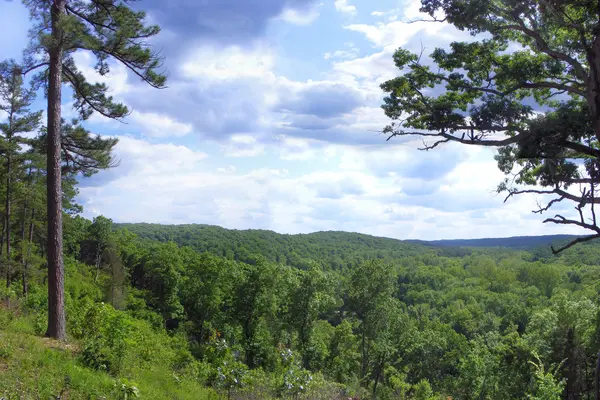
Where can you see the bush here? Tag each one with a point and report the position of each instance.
(105, 337)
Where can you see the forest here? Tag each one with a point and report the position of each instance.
(177, 310)
(95, 309)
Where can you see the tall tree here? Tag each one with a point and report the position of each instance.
(312, 296)
(538, 105)
(100, 232)
(15, 101)
(110, 30)
(371, 286)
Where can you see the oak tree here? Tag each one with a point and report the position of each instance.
(539, 105)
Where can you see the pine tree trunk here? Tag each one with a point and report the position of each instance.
(8, 204)
(23, 222)
(56, 309)
(25, 258)
(26, 262)
(23, 261)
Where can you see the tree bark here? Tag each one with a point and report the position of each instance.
(26, 262)
(23, 222)
(56, 308)
(23, 261)
(7, 215)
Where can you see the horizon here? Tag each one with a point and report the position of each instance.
(271, 124)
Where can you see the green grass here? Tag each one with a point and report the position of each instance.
(33, 367)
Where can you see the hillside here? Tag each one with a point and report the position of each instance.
(514, 242)
(333, 248)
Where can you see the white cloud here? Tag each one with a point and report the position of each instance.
(178, 186)
(233, 62)
(160, 125)
(243, 145)
(297, 149)
(343, 7)
(301, 17)
(342, 54)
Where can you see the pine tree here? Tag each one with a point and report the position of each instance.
(110, 30)
(14, 102)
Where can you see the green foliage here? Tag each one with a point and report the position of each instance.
(105, 332)
(525, 86)
(334, 250)
(428, 326)
(547, 386)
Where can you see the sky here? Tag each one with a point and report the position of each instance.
(271, 120)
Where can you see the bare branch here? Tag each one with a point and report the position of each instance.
(574, 242)
(33, 68)
(479, 142)
(556, 191)
(560, 220)
(541, 209)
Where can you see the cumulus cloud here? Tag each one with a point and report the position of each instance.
(243, 145)
(321, 99)
(233, 62)
(180, 185)
(160, 125)
(301, 16)
(220, 21)
(344, 7)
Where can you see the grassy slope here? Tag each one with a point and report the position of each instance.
(32, 367)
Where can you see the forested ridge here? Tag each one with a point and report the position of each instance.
(331, 247)
(335, 249)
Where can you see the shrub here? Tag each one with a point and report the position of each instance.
(104, 335)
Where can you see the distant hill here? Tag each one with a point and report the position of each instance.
(333, 248)
(515, 242)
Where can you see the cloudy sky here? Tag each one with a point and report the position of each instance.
(270, 121)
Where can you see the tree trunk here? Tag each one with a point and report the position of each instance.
(56, 307)
(378, 376)
(7, 215)
(26, 262)
(23, 222)
(23, 261)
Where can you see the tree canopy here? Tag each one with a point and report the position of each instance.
(528, 84)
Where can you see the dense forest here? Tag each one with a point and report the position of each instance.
(172, 311)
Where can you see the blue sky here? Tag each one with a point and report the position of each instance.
(270, 121)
